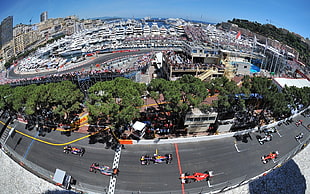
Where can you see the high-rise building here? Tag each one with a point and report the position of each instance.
(43, 16)
(6, 31)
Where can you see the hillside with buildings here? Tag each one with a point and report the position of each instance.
(301, 44)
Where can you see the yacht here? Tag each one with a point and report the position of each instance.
(180, 30)
(172, 31)
(120, 31)
(163, 30)
(146, 29)
(129, 30)
(137, 30)
(155, 29)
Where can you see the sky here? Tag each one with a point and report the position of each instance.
(291, 15)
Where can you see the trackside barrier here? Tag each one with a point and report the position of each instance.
(183, 140)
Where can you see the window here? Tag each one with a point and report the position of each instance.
(212, 118)
(196, 119)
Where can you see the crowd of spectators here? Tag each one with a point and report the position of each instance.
(195, 34)
(114, 67)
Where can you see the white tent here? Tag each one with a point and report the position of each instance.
(139, 126)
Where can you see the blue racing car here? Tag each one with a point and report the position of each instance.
(156, 159)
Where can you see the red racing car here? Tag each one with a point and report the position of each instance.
(196, 176)
(271, 156)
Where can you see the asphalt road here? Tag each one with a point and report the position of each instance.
(220, 156)
(99, 60)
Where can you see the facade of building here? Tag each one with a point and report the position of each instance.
(24, 36)
(197, 121)
(201, 53)
(242, 68)
(6, 31)
(43, 16)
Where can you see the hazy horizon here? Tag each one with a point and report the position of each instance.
(293, 16)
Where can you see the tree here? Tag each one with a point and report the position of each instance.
(278, 105)
(296, 96)
(228, 90)
(116, 101)
(179, 95)
(6, 91)
(58, 101)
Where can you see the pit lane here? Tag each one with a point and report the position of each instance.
(220, 156)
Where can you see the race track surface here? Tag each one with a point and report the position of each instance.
(221, 156)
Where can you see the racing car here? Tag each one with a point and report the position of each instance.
(156, 159)
(74, 150)
(271, 156)
(270, 130)
(299, 136)
(106, 170)
(299, 122)
(262, 140)
(196, 176)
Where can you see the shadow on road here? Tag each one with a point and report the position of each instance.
(287, 179)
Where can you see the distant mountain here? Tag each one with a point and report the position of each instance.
(291, 39)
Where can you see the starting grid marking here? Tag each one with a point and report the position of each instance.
(117, 157)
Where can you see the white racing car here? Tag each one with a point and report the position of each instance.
(262, 140)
